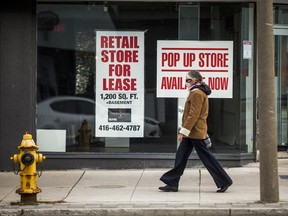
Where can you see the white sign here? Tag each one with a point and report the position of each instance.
(119, 84)
(50, 140)
(247, 50)
(213, 59)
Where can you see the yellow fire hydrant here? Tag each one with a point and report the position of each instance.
(27, 159)
(85, 137)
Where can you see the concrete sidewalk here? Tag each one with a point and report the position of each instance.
(135, 192)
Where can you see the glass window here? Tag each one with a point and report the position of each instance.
(87, 108)
(281, 14)
(66, 70)
(68, 106)
(281, 72)
(231, 121)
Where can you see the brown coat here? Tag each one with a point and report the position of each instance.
(195, 113)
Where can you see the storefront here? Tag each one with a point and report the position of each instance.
(96, 101)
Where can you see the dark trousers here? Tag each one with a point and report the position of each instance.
(172, 177)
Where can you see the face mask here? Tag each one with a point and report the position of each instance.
(188, 85)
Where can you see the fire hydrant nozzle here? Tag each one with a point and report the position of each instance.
(27, 160)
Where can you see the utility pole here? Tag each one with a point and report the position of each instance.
(269, 182)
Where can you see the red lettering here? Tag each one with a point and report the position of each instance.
(170, 58)
(129, 84)
(219, 60)
(213, 59)
(119, 70)
(135, 42)
(119, 84)
(104, 42)
(104, 54)
(119, 42)
(119, 56)
(201, 60)
(188, 59)
(225, 60)
(218, 83)
(125, 42)
(172, 83)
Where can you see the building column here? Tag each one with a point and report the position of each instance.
(17, 75)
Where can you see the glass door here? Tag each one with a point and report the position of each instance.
(281, 81)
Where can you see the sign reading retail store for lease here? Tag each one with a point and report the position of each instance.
(119, 84)
(213, 59)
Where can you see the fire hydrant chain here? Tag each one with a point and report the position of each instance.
(17, 172)
(39, 173)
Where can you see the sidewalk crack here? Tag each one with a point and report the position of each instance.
(136, 186)
(12, 191)
(74, 186)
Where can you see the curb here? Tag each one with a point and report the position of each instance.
(147, 209)
(146, 212)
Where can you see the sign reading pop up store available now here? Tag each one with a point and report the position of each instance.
(119, 84)
(213, 59)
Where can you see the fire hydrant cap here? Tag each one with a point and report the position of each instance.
(28, 142)
(27, 136)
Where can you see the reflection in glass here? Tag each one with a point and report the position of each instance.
(66, 71)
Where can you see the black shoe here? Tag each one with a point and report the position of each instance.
(168, 188)
(224, 188)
